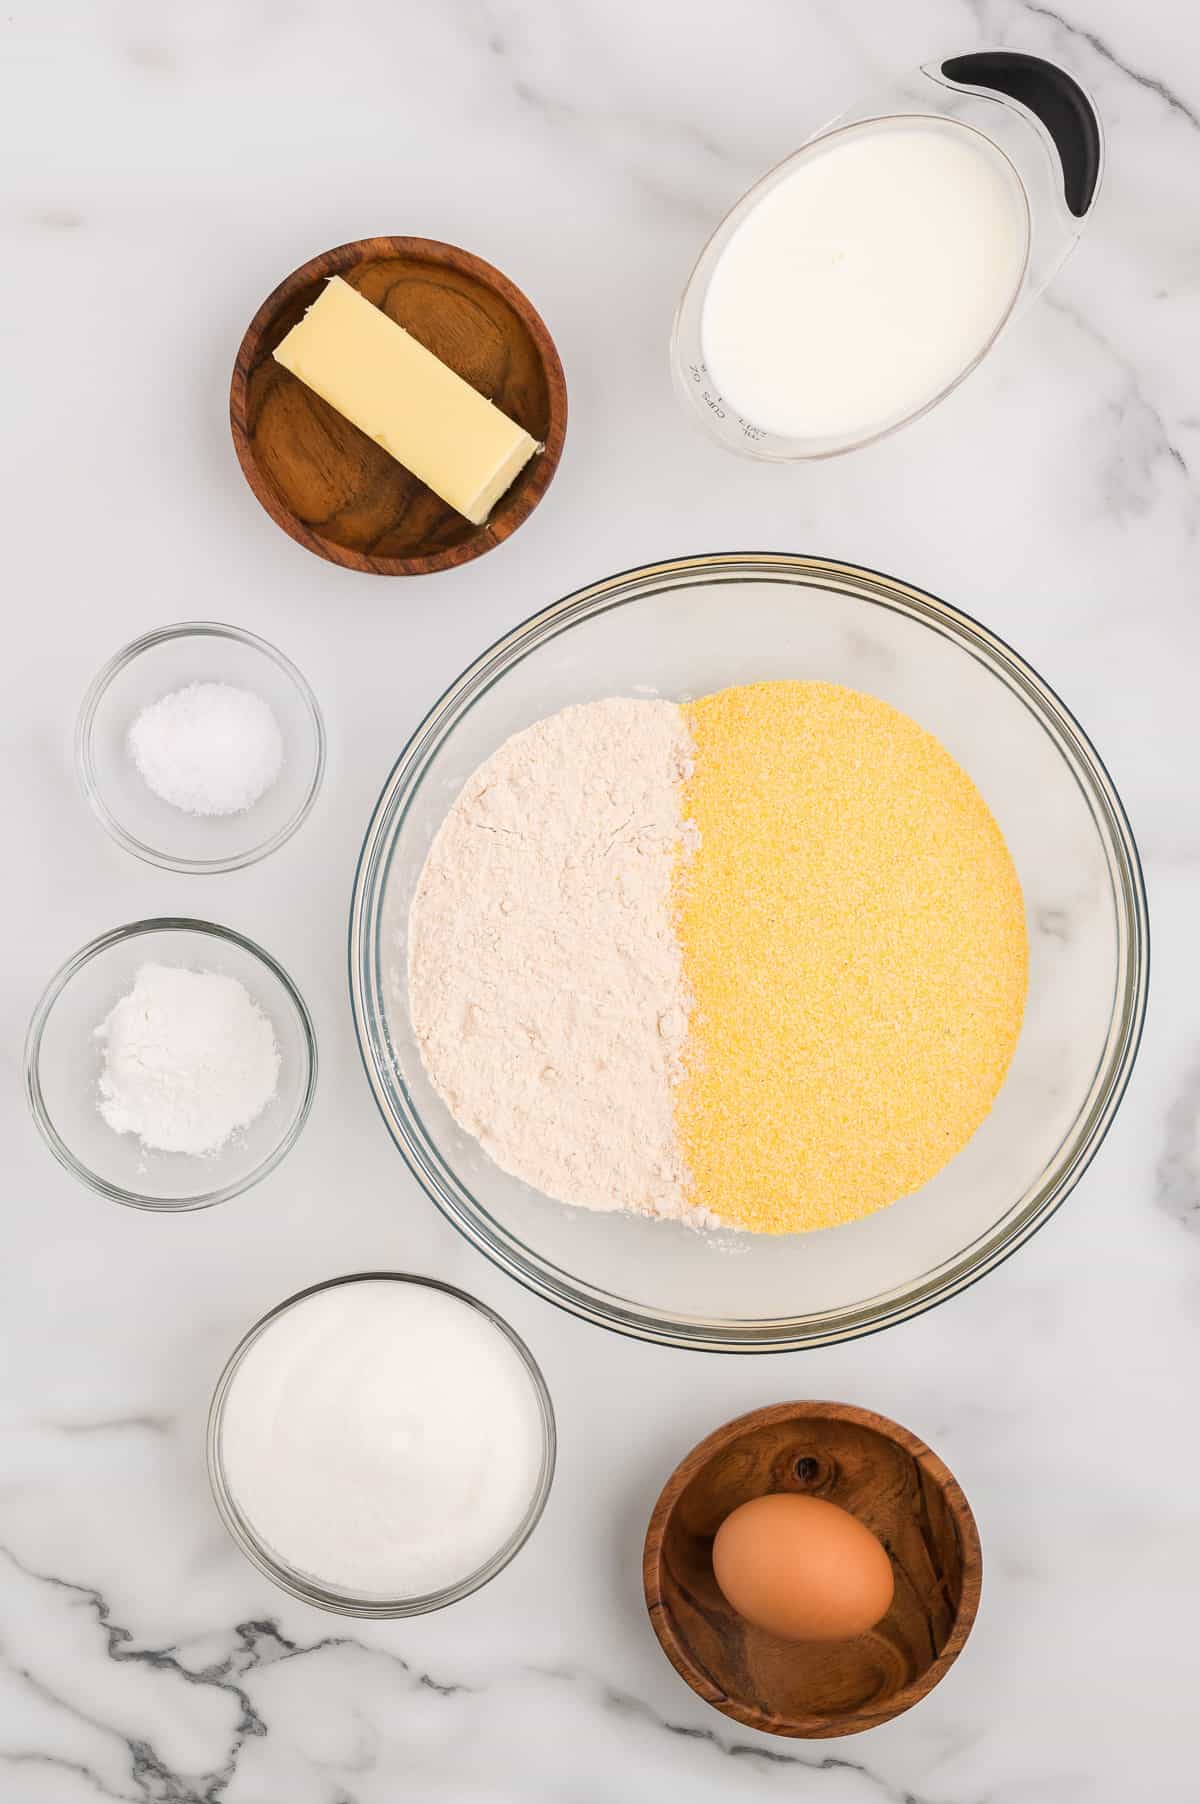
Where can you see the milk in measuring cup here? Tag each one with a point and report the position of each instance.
(871, 277)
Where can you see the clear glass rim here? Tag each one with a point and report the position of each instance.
(33, 1047)
(1041, 1197)
(815, 451)
(85, 762)
(296, 1584)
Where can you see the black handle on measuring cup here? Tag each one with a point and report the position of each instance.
(1055, 98)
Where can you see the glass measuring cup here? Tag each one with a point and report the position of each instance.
(1046, 130)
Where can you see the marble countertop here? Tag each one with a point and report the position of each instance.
(165, 165)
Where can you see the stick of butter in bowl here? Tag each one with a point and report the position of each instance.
(383, 380)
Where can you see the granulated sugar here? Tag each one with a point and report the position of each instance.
(382, 1438)
(545, 977)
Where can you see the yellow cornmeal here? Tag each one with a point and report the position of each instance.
(854, 940)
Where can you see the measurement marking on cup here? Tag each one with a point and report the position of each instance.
(698, 372)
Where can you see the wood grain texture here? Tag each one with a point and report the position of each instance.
(895, 1485)
(329, 485)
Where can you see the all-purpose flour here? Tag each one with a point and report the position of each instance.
(545, 977)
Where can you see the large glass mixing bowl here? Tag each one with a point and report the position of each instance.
(681, 629)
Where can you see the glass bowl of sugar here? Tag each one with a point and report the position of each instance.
(381, 1445)
(200, 747)
(170, 1064)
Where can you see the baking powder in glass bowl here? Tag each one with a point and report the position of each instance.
(381, 1444)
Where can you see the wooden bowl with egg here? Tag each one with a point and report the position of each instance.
(329, 485)
(897, 1488)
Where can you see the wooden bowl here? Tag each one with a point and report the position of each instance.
(888, 1479)
(334, 489)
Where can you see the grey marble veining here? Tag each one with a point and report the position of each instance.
(164, 166)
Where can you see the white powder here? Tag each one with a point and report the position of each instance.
(545, 977)
(208, 749)
(189, 1058)
(382, 1438)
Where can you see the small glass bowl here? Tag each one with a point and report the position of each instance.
(299, 1584)
(63, 1063)
(196, 651)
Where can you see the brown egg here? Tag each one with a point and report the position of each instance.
(802, 1569)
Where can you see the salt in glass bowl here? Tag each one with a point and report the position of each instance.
(685, 628)
(346, 1603)
(64, 1059)
(196, 651)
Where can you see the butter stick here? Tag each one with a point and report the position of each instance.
(406, 399)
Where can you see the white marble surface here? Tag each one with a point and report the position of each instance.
(164, 164)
